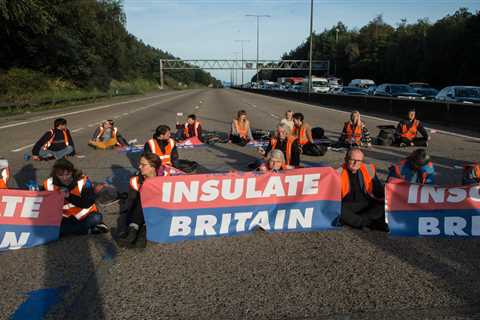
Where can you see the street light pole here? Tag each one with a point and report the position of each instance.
(311, 50)
(235, 81)
(258, 16)
(336, 47)
(242, 42)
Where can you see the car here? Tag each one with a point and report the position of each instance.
(353, 91)
(427, 93)
(362, 83)
(462, 94)
(396, 91)
(419, 85)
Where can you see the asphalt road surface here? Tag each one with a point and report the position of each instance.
(344, 274)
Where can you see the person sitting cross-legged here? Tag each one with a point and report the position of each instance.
(55, 143)
(362, 193)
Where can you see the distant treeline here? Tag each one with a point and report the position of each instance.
(443, 53)
(84, 42)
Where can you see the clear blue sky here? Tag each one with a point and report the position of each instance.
(206, 29)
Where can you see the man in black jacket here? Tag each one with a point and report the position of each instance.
(55, 143)
(407, 131)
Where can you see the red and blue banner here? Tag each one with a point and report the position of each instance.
(29, 218)
(429, 210)
(189, 207)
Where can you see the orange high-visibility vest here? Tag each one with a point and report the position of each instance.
(288, 149)
(186, 132)
(302, 137)
(368, 174)
(410, 133)
(102, 131)
(135, 183)
(241, 130)
(353, 132)
(166, 156)
(4, 176)
(49, 143)
(70, 209)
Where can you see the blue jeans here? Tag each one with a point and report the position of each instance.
(80, 227)
(56, 154)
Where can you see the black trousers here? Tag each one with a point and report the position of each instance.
(238, 140)
(363, 214)
(136, 215)
(418, 142)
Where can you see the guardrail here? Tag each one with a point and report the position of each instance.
(448, 114)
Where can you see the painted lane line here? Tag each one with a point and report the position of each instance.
(372, 117)
(96, 123)
(23, 148)
(117, 117)
(125, 114)
(81, 111)
(76, 130)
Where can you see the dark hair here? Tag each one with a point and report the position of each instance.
(241, 113)
(192, 116)
(111, 122)
(161, 130)
(298, 116)
(59, 122)
(64, 165)
(152, 159)
(419, 157)
(411, 110)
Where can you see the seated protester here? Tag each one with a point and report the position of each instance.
(362, 193)
(56, 142)
(149, 165)
(240, 132)
(275, 162)
(355, 133)
(107, 136)
(471, 174)
(80, 215)
(285, 142)
(406, 133)
(303, 132)
(192, 128)
(288, 120)
(4, 174)
(163, 146)
(416, 168)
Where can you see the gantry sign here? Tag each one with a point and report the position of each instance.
(177, 64)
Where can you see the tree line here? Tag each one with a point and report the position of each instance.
(85, 42)
(442, 53)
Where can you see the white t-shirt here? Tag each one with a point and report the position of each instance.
(288, 123)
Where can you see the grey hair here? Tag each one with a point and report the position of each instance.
(276, 154)
(285, 127)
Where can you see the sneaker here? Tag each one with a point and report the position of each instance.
(403, 145)
(100, 228)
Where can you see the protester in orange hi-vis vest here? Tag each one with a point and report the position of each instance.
(240, 132)
(355, 132)
(80, 215)
(4, 174)
(416, 168)
(163, 146)
(192, 128)
(303, 132)
(55, 143)
(362, 193)
(407, 132)
(132, 233)
(471, 174)
(107, 136)
(288, 144)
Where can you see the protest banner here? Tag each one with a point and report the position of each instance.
(427, 210)
(200, 206)
(29, 218)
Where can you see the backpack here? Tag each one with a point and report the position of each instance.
(386, 136)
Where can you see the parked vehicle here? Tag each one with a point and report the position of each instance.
(334, 83)
(396, 90)
(426, 93)
(465, 94)
(419, 85)
(319, 85)
(353, 91)
(362, 83)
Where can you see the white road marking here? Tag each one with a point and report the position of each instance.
(372, 117)
(401, 156)
(93, 124)
(80, 111)
(125, 113)
(116, 117)
(76, 130)
(23, 148)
